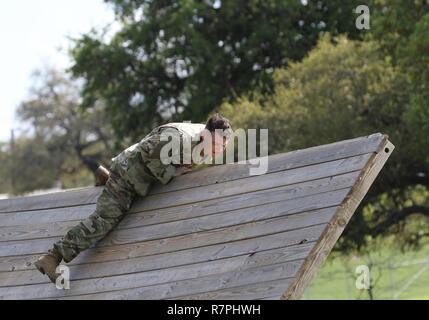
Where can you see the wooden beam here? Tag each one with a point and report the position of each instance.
(336, 226)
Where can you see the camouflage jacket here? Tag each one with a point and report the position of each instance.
(141, 162)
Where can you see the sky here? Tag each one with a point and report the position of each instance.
(33, 34)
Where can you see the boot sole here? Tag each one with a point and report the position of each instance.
(42, 270)
(39, 267)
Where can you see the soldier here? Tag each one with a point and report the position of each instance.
(132, 173)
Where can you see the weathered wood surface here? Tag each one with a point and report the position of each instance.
(217, 233)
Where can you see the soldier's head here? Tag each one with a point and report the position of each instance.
(219, 129)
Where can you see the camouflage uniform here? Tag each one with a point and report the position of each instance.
(132, 173)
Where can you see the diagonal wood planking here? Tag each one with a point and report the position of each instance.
(217, 233)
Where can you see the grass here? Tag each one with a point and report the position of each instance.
(394, 274)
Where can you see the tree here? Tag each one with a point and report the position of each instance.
(62, 140)
(31, 166)
(180, 59)
(366, 93)
(394, 25)
(401, 29)
(5, 183)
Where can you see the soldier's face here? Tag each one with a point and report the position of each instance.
(218, 142)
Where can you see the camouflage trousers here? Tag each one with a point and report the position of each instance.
(127, 180)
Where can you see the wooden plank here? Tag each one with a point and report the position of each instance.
(233, 270)
(278, 162)
(254, 183)
(269, 290)
(339, 221)
(250, 184)
(203, 208)
(60, 199)
(240, 201)
(147, 263)
(46, 216)
(215, 174)
(245, 292)
(274, 297)
(12, 263)
(198, 285)
(142, 214)
(192, 226)
(295, 209)
(140, 255)
(220, 236)
(167, 260)
(227, 236)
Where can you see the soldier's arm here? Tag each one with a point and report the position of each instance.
(151, 154)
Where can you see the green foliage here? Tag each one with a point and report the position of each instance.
(5, 184)
(33, 166)
(393, 23)
(344, 89)
(348, 79)
(64, 145)
(181, 59)
(394, 274)
(401, 30)
(258, 60)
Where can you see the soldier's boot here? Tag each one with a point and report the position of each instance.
(101, 176)
(48, 263)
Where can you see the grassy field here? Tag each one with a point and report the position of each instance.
(394, 275)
